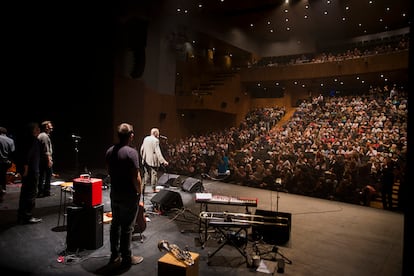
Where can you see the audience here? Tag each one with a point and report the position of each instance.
(333, 147)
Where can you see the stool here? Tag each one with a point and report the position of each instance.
(169, 265)
(65, 188)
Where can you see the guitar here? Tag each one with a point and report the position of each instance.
(141, 222)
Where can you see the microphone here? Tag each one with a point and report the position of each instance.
(76, 137)
(164, 137)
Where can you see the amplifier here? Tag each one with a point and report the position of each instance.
(84, 228)
(87, 191)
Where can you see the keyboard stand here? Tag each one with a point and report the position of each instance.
(223, 228)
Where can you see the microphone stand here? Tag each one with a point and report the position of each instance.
(76, 140)
(275, 249)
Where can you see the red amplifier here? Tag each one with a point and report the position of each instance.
(87, 191)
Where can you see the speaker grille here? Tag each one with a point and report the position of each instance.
(193, 185)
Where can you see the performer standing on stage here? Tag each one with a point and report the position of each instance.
(123, 166)
(152, 158)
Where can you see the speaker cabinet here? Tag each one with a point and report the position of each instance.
(88, 191)
(84, 228)
(277, 231)
(168, 179)
(192, 185)
(165, 200)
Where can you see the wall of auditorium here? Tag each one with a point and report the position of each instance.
(368, 64)
(286, 101)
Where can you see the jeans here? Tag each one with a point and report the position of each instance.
(124, 214)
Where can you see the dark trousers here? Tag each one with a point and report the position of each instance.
(124, 213)
(27, 200)
(45, 177)
(3, 176)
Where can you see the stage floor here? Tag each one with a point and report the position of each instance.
(325, 238)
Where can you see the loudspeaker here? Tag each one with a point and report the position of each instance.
(168, 179)
(88, 192)
(84, 228)
(278, 233)
(192, 185)
(165, 200)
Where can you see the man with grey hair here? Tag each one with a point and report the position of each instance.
(152, 158)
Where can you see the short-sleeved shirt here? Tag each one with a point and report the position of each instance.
(123, 163)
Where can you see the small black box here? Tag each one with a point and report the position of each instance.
(275, 228)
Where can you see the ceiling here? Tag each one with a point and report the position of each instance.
(325, 22)
(276, 20)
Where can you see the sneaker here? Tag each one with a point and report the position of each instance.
(28, 221)
(34, 220)
(134, 260)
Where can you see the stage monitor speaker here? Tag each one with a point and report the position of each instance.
(84, 228)
(88, 191)
(277, 231)
(192, 185)
(166, 200)
(168, 179)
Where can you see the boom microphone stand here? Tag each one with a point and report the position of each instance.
(283, 260)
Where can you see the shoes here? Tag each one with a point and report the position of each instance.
(115, 260)
(29, 221)
(155, 191)
(34, 220)
(40, 195)
(134, 260)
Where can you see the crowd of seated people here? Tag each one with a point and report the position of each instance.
(398, 44)
(333, 147)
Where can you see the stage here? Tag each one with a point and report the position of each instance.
(325, 237)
